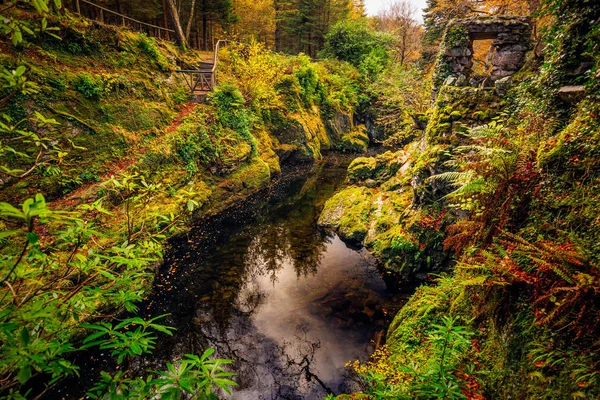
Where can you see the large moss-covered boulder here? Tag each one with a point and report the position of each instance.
(306, 132)
(379, 168)
(348, 213)
(248, 177)
(357, 140)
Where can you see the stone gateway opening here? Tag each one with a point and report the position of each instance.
(508, 40)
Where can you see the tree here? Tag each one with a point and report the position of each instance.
(177, 23)
(301, 25)
(360, 45)
(398, 19)
(143, 10)
(438, 13)
(256, 20)
(214, 12)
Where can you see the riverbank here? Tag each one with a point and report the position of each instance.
(132, 164)
(261, 284)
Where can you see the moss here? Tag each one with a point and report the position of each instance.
(455, 36)
(306, 131)
(250, 176)
(455, 115)
(458, 108)
(136, 115)
(381, 167)
(361, 168)
(357, 140)
(387, 214)
(348, 213)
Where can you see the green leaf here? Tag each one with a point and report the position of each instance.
(20, 70)
(33, 238)
(207, 353)
(24, 337)
(94, 336)
(107, 274)
(17, 37)
(24, 374)
(163, 329)
(4, 234)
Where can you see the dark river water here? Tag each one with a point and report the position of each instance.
(290, 304)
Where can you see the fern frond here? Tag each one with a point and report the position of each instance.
(482, 131)
(484, 151)
(475, 187)
(453, 177)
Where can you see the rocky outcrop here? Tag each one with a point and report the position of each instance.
(571, 94)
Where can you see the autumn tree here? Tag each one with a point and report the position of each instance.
(398, 18)
(256, 20)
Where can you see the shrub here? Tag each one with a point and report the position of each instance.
(193, 145)
(231, 113)
(309, 82)
(358, 44)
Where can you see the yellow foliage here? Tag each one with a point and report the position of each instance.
(380, 364)
(257, 21)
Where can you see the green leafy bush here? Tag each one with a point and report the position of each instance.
(355, 42)
(231, 113)
(308, 79)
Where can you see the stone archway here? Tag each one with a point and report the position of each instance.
(510, 38)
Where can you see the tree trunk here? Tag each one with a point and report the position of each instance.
(177, 23)
(204, 28)
(188, 28)
(277, 27)
(165, 21)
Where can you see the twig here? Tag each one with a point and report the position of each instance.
(16, 263)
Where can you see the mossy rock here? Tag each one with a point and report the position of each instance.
(348, 213)
(250, 176)
(307, 132)
(361, 169)
(379, 168)
(457, 109)
(339, 125)
(387, 213)
(353, 396)
(357, 140)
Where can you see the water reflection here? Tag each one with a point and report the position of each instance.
(288, 303)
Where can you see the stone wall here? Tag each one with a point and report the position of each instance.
(510, 38)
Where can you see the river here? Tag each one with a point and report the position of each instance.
(289, 303)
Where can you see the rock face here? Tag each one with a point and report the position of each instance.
(511, 41)
(502, 85)
(571, 94)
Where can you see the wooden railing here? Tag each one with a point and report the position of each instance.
(108, 16)
(216, 60)
(203, 79)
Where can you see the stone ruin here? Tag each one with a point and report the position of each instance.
(510, 40)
